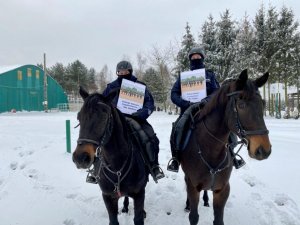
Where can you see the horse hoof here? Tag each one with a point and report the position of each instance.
(187, 209)
(206, 204)
(124, 210)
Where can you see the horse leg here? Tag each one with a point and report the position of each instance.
(139, 212)
(112, 209)
(205, 199)
(193, 197)
(219, 201)
(187, 205)
(125, 205)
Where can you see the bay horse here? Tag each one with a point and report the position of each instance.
(103, 138)
(206, 162)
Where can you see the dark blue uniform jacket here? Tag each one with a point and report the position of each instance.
(211, 86)
(148, 107)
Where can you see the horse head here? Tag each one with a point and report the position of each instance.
(245, 114)
(95, 119)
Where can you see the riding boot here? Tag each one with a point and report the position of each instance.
(173, 164)
(237, 162)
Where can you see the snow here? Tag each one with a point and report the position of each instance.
(4, 69)
(39, 184)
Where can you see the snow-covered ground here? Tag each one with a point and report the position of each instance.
(39, 184)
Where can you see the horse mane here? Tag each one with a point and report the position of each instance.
(220, 98)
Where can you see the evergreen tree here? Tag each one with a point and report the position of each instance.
(226, 35)
(91, 76)
(287, 31)
(209, 43)
(76, 75)
(260, 40)
(154, 84)
(188, 42)
(271, 48)
(58, 73)
(102, 78)
(244, 47)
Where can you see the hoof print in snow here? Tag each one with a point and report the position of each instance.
(14, 165)
(69, 222)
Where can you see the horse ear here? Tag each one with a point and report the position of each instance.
(113, 93)
(83, 93)
(242, 79)
(259, 82)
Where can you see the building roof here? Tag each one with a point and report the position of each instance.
(4, 69)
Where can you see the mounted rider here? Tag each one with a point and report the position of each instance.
(196, 58)
(138, 120)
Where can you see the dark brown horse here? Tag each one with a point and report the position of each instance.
(103, 138)
(236, 107)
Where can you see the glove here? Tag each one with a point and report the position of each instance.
(136, 114)
(203, 102)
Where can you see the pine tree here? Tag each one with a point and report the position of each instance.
(287, 32)
(226, 35)
(154, 84)
(260, 40)
(244, 47)
(188, 42)
(76, 75)
(102, 78)
(58, 72)
(208, 41)
(91, 76)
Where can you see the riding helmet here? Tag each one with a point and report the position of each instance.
(196, 50)
(124, 65)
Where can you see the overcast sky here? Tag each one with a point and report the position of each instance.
(99, 32)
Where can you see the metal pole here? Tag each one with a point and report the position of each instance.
(45, 86)
(68, 136)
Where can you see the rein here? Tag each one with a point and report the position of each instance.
(103, 164)
(242, 133)
(217, 169)
(120, 174)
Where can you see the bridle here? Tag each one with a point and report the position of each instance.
(104, 166)
(241, 132)
(104, 139)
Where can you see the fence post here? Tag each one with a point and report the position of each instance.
(68, 136)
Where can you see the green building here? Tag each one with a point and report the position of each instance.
(22, 88)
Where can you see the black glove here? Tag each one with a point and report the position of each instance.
(203, 102)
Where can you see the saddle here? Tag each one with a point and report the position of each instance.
(183, 127)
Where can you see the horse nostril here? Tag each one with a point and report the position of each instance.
(85, 158)
(261, 153)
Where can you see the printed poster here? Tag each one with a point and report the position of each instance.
(193, 85)
(131, 97)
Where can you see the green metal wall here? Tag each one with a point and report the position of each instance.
(23, 89)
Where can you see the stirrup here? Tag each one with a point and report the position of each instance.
(238, 161)
(160, 174)
(170, 167)
(91, 179)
